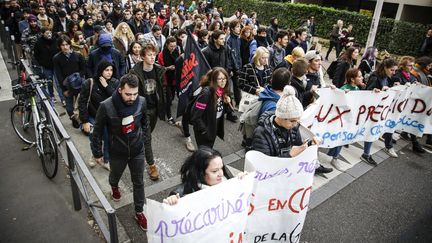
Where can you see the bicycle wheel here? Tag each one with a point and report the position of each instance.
(49, 153)
(22, 122)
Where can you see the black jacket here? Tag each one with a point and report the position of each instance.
(44, 51)
(303, 94)
(339, 75)
(204, 120)
(97, 96)
(95, 58)
(248, 78)
(129, 145)
(216, 57)
(273, 140)
(378, 82)
(160, 72)
(143, 28)
(366, 67)
(64, 66)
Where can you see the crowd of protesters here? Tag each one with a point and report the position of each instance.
(131, 56)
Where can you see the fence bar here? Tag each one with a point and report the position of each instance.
(72, 172)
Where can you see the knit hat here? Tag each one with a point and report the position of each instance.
(312, 54)
(105, 40)
(31, 18)
(288, 106)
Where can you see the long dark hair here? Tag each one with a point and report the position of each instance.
(347, 56)
(387, 63)
(210, 79)
(193, 170)
(101, 67)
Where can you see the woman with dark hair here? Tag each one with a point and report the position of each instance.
(93, 92)
(72, 29)
(167, 58)
(368, 63)
(133, 54)
(345, 62)
(381, 79)
(202, 169)
(207, 111)
(354, 82)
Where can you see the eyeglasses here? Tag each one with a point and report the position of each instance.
(221, 79)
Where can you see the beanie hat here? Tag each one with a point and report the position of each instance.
(312, 54)
(105, 40)
(31, 18)
(288, 106)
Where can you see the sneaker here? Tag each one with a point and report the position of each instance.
(106, 166)
(323, 170)
(171, 121)
(92, 162)
(336, 163)
(368, 159)
(231, 117)
(115, 193)
(141, 220)
(189, 145)
(153, 172)
(75, 122)
(391, 152)
(417, 148)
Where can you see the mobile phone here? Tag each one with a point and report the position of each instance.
(308, 142)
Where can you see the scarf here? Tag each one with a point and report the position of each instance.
(406, 75)
(123, 110)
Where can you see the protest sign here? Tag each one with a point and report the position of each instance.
(215, 214)
(340, 118)
(280, 200)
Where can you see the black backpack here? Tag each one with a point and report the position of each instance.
(332, 69)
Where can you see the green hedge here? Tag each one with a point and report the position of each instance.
(397, 37)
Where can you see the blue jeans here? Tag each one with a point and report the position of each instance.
(334, 152)
(105, 140)
(70, 104)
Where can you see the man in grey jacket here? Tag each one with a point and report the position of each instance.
(277, 49)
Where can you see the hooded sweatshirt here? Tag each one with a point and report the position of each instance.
(269, 99)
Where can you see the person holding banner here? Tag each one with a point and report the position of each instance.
(382, 79)
(278, 133)
(208, 108)
(202, 169)
(354, 80)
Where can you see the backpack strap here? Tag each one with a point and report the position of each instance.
(91, 89)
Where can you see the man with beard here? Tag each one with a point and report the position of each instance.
(124, 115)
(87, 28)
(44, 19)
(108, 53)
(116, 16)
(137, 24)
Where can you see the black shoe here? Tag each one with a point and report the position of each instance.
(346, 145)
(394, 141)
(231, 117)
(75, 123)
(417, 148)
(405, 136)
(171, 121)
(368, 159)
(323, 170)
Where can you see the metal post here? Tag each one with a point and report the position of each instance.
(7, 40)
(75, 191)
(112, 227)
(14, 54)
(374, 23)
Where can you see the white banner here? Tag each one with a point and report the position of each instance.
(340, 118)
(280, 200)
(215, 214)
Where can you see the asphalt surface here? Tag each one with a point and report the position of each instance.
(32, 207)
(390, 203)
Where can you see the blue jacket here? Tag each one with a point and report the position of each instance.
(269, 99)
(233, 43)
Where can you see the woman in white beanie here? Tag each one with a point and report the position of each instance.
(278, 133)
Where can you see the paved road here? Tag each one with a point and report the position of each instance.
(391, 203)
(32, 207)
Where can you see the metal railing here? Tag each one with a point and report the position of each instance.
(83, 184)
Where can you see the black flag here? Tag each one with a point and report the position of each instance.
(194, 67)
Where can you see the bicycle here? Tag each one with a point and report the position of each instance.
(31, 122)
